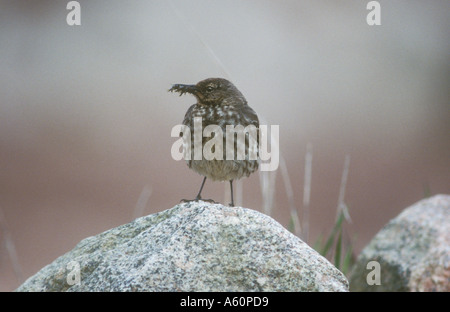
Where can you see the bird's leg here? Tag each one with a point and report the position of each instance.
(200, 192)
(199, 197)
(232, 200)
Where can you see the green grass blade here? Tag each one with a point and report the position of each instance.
(318, 243)
(337, 251)
(348, 260)
(332, 237)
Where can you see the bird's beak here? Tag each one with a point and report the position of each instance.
(182, 89)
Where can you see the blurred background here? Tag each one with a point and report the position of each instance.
(85, 116)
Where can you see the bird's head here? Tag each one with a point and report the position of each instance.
(210, 91)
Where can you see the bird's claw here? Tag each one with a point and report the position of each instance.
(198, 199)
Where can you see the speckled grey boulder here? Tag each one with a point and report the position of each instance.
(413, 250)
(192, 247)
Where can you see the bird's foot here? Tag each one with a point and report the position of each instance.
(197, 199)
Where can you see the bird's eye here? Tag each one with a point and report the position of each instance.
(209, 89)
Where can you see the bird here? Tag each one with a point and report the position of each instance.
(220, 103)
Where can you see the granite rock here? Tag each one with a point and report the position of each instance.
(412, 250)
(193, 246)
